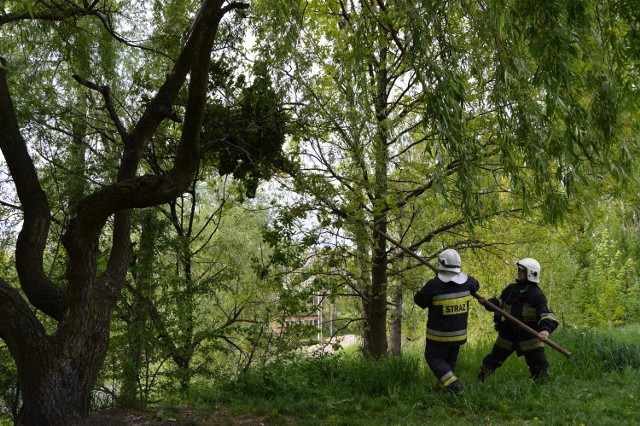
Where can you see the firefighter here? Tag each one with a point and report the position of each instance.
(447, 297)
(526, 301)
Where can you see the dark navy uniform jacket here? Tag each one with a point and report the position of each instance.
(526, 302)
(448, 305)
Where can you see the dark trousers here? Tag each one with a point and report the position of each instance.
(442, 361)
(536, 359)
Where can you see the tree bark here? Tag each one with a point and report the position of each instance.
(56, 389)
(377, 314)
(377, 306)
(395, 328)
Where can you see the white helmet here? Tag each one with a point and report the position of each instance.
(532, 267)
(449, 267)
(449, 260)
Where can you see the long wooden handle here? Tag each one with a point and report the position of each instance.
(481, 299)
(522, 325)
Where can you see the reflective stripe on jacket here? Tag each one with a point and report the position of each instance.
(448, 305)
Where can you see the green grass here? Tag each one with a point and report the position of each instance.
(598, 385)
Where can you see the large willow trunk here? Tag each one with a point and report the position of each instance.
(56, 389)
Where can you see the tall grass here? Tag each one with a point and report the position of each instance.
(598, 385)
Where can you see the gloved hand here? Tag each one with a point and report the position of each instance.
(493, 300)
(498, 321)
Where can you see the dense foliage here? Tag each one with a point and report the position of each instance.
(193, 192)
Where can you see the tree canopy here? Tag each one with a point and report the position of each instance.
(472, 125)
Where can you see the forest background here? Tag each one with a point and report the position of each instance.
(193, 190)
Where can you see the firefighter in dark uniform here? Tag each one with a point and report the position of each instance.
(526, 302)
(448, 298)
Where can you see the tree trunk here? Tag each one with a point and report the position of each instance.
(395, 327)
(57, 393)
(379, 261)
(364, 280)
(377, 306)
(56, 376)
(365, 328)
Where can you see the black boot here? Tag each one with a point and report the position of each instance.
(454, 387)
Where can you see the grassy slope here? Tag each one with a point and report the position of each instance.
(598, 385)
